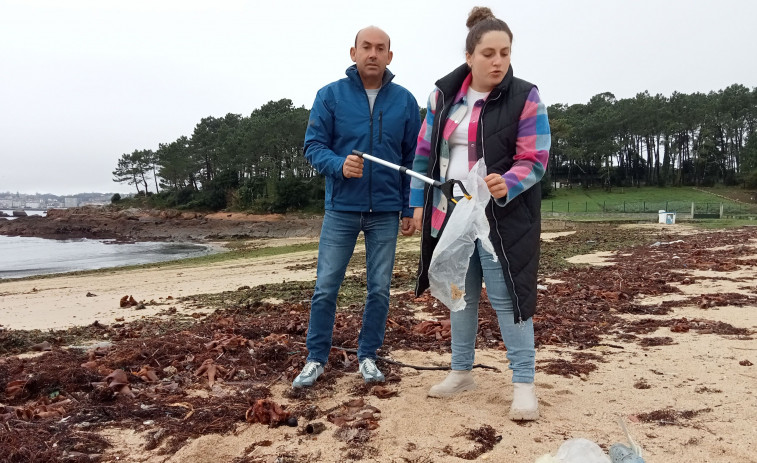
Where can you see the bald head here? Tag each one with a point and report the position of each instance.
(373, 31)
(371, 54)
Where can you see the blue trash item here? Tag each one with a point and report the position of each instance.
(620, 453)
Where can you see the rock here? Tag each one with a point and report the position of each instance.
(109, 222)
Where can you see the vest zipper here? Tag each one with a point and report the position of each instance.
(513, 296)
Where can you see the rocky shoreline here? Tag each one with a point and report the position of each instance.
(131, 225)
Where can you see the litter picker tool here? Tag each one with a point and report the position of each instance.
(445, 187)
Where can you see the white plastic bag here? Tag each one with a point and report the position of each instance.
(578, 450)
(466, 224)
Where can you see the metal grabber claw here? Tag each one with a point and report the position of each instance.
(446, 187)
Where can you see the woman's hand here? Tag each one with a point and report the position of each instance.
(418, 218)
(497, 186)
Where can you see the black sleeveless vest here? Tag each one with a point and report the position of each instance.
(515, 228)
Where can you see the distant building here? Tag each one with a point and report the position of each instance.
(70, 202)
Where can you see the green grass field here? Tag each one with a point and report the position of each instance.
(650, 200)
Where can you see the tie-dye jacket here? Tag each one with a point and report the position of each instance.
(532, 149)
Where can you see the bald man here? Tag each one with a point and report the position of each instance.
(364, 111)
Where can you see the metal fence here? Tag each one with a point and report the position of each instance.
(680, 207)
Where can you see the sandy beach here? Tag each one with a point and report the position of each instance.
(66, 301)
(705, 381)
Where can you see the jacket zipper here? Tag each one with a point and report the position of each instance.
(370, 150)
(381, 125)
(496, 223)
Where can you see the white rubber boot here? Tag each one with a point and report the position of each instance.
(525, 406)
(457, 381)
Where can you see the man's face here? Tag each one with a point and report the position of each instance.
(371, 54)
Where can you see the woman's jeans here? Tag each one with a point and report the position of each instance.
(518, 337)
(339, 234)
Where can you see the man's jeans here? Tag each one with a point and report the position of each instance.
(338, 238)
(518, 337)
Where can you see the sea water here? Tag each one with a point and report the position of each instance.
(23, 256)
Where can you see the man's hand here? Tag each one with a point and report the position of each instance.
(418, 218)
(352, 167)
(408, 226)
(496, 185)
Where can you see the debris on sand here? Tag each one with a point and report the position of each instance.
(485, 439)
(191, 377)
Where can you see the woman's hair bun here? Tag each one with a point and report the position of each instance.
(478, 14)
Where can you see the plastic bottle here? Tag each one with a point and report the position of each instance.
(620, 453)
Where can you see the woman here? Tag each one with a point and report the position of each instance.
(480, 110)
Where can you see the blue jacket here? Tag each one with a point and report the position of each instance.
(341, 121)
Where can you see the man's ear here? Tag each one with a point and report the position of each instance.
(391, 55)
(353, 54)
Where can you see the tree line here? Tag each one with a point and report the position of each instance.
(256, 162)
(252, 162)
(685, 139)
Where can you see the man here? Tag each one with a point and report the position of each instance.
(367, 112)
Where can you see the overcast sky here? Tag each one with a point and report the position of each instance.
(84, 81)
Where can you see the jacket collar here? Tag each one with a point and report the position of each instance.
(453, 82)
(354, 76)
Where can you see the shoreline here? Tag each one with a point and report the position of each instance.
(82, 255)
(26, 303)
(62, 301)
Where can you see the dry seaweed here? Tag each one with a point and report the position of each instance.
(670, 417)
(485, 438)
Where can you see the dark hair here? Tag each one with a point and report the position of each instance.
(480, 21)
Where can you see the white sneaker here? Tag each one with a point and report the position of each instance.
(525, 406)
(457, 381)
(308, 375)
(370, 371)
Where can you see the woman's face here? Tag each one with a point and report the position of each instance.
(490, 60)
